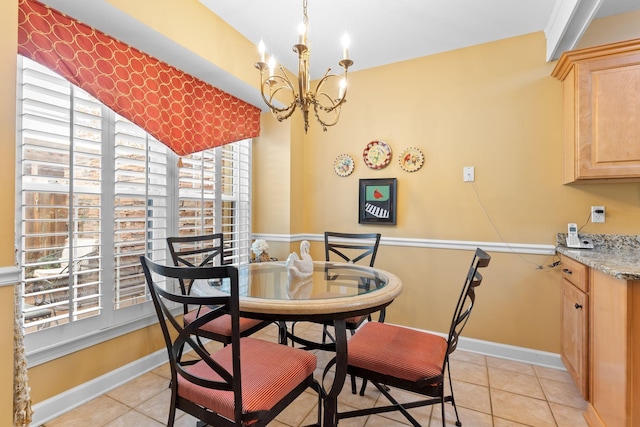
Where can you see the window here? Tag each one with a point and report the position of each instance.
(201, 200)
(94, 192)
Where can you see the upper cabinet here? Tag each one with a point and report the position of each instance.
(601, 112)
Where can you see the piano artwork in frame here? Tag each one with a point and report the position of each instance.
(377, 201)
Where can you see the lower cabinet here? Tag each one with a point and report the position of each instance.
(614, 352)
(575, 322)
(601, 343)
(575, 337)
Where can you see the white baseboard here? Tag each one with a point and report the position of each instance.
(510, 352)
(57, 405)
(64, 402)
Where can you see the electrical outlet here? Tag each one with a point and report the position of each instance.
(468, 174)
(597, 213)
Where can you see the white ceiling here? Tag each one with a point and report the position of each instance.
(384, 32)
(381, 32)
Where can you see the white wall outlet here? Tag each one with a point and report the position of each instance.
(468, 174)
(597, 213)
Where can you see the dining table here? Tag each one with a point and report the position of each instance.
(329, 292)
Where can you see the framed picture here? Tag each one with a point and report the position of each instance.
(377, 202)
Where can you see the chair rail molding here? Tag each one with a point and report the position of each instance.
(516, 248)
(9, 276)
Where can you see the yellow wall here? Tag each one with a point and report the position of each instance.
(8, 35)
(6, 352)
(9, 30)
(191, 24)
(491, 106)
(52, 378)
(494, 107)
(611, 29)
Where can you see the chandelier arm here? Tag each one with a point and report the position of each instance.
(282, 83)
(335, 111)
(319, 93)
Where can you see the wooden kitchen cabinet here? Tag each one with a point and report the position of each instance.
(601, 342)
(614, 352)
(601, 112)
(575, 322)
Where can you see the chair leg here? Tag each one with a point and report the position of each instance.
(326, 334)
(453, 400)
(319, 390)
(172, 409)
(364, 386)
(398, 406)
(293, 326)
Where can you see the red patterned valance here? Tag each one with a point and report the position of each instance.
(183, 112)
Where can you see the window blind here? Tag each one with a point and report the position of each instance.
(61, 178)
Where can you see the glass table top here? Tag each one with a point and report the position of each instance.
(269, 287)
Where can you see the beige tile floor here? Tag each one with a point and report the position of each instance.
(489, 392)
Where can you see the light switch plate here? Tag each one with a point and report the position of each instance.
(468, 174)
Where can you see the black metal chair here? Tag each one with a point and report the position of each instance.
(416, 361)
(202, 251)
(350, 248)
(248, 382)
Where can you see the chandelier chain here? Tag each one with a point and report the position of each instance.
(305, 19)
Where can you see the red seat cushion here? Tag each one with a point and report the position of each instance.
(222, 324)
(356, 319)
(269, 372)
(396, 351)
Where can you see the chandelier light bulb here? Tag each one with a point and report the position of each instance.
(346, 41)
(261, 50)
(272, 65)
(302, 30)
(343, 87)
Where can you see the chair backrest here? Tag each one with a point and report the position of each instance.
(467, 298)
(196, 251)
(158, 280)
(351, 247)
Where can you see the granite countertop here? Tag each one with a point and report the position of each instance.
(617, 255)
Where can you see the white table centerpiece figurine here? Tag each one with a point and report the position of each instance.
(299, 271)
(261, 250)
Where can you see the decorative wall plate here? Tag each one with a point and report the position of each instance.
(377, 154)
(411, 159)
(343, 165)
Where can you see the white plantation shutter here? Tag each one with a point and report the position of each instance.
(94, 192)
(235, 215)
(197, 194)
(60, 199)
(214, 197)
(140, 209)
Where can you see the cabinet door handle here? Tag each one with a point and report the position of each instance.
(566, 271)
(578, 306)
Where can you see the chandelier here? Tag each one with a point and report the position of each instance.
(327, 98)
